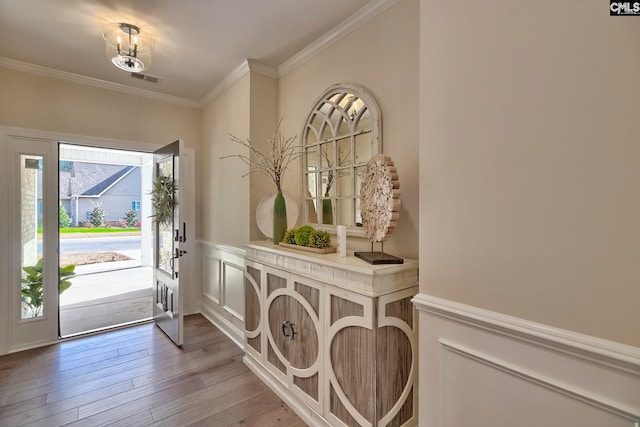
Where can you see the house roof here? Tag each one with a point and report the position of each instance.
(90, 179)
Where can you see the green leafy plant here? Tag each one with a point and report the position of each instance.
(96, 216)
(162, 199)
(320, 239)
(64, 220)
(131, 218)
(290, 236)
(307, 236)
(32, 292)
(303, 235)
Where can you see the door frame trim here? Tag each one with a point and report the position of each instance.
(7, 326)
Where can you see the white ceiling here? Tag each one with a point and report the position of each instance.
(198, 42)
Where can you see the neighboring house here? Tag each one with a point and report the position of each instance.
(86, 185)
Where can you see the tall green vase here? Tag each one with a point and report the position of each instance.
(327, 211)
(279, 218)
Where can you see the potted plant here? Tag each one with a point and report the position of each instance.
(32, 292)
(309, 239)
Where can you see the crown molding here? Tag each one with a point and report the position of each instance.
(225, 84)
(242, 69)
(260, 68)
(90, 81)
(343, 29)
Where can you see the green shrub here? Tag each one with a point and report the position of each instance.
(303, 235)
(320, 240)
(96, 216)
(130, 218)
(64, 220)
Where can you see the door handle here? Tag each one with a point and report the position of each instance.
(286, 325)
(177, 255)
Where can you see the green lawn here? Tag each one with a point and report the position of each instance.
(94, 230)
(97, 230)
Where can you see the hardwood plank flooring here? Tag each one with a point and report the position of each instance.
(137, 377)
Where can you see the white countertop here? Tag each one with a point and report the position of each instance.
(347, 272)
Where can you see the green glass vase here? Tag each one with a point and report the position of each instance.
(327, 211)
(279, 218)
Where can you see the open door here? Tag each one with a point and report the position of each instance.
(170, 236)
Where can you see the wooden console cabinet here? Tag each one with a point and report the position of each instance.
(334, 337)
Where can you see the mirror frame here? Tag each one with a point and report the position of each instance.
(369, 101)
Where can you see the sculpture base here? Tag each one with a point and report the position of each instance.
(378, 258)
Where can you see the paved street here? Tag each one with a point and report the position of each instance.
(98, 244)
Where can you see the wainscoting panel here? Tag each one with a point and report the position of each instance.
(222, 299)
(233, 295)
(211, 277)
(483, 368)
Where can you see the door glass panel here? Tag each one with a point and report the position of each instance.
(31, 214)
(165, 229)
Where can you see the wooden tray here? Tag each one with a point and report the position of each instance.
(328, 250)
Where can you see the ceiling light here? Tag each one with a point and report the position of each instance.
(128, 47)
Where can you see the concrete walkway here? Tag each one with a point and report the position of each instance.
(105, 295)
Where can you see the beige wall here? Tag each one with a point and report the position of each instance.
(36, 102)
(529, 177)
(381, 56)
(225, 194)
(264, 118)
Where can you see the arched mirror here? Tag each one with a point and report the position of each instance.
(340, 134)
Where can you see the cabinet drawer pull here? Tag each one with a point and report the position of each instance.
(286, 325)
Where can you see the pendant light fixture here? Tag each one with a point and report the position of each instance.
(127, 47)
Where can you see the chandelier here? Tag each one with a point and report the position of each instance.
(127, 47)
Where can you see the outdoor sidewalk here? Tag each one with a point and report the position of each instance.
(106, 294)
(94, 281)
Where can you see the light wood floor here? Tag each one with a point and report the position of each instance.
(137, 377)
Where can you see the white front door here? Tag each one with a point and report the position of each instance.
(170, 240)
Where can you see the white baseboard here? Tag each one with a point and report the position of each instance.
(223, 324)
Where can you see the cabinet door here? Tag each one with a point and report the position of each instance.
(253, 309)
(350, 358)
(294, 336)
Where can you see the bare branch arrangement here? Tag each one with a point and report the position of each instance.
(283, 152)
(344, 156)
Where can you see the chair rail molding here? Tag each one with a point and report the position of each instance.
(485, 368)
(620, 356)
